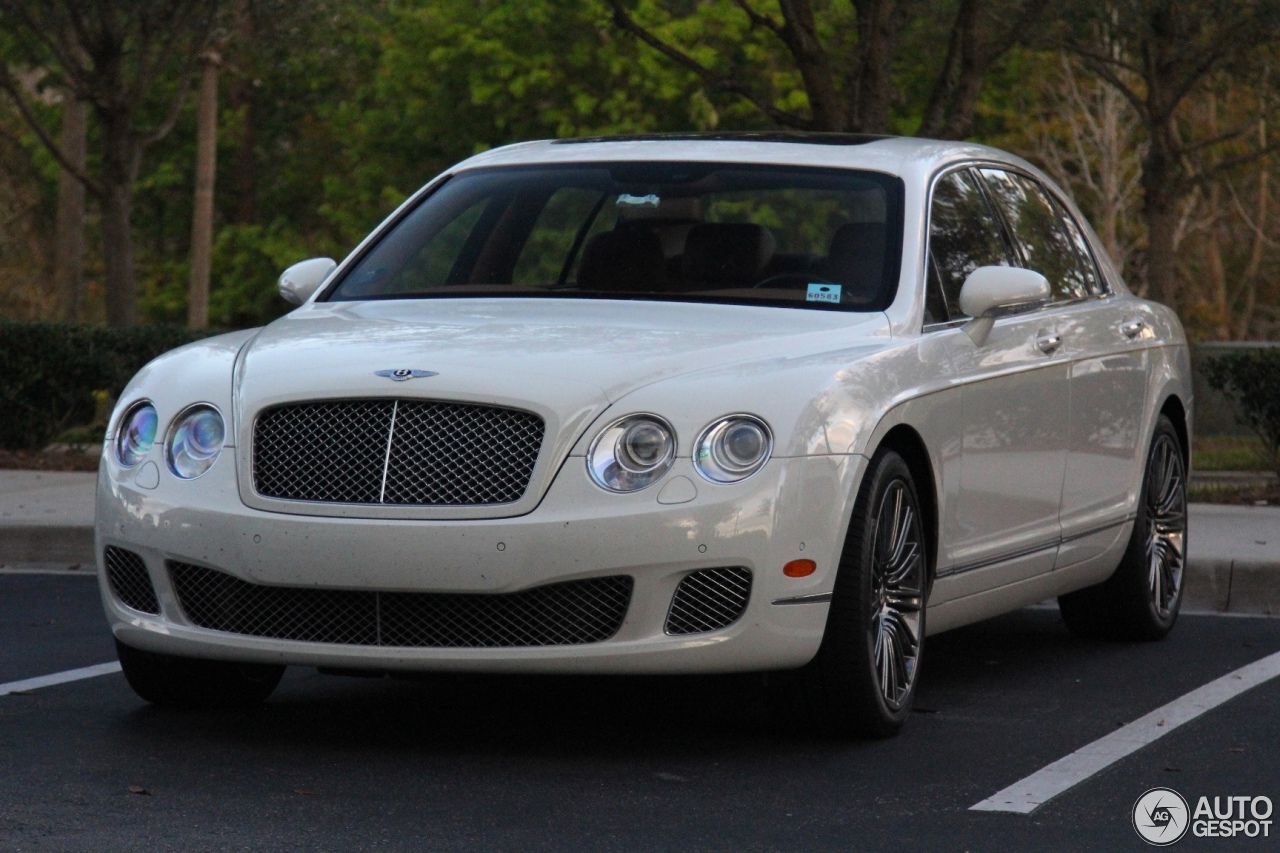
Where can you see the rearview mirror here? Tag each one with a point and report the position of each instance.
(301, 280)
(988, 291)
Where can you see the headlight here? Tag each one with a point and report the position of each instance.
(136, 434)
(195, 440)
(631, 453)
(733, 448)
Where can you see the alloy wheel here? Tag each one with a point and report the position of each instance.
(1166, 510)
(897, 593)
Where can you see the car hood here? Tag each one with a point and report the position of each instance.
(563, 353)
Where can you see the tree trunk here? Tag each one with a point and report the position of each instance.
(68, 263)
(872, 88)
(202, 212)
(120, 158)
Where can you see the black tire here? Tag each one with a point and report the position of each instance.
(1140, 601)
(863, 680)
(193, 683)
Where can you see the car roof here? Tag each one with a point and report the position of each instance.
(898, 155)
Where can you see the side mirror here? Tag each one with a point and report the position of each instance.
(301, 280)
(990, 290)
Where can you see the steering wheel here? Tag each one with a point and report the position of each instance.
(800, 278)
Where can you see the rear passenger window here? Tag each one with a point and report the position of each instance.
(1093, 280)
(963, 235)
(1043, 240)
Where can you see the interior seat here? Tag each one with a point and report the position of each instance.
(626, 259)
(726, 254)
(855, 260)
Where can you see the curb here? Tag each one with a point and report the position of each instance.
(43, 543)
(1233, 586)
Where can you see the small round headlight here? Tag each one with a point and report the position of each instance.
(195, 440)
(137, 433)
(733, 448)
(631, 453)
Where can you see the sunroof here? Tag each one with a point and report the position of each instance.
(797, 136)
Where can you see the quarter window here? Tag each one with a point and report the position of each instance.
(963, 235)
(1039, 233)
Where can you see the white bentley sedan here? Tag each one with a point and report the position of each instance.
(669, 404)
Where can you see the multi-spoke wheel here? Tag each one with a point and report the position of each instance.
(864, 677)
(1141, 600)
(897, 587)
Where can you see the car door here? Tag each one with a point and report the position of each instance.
(1000, 517)
(1107, 338)
(1102, 339)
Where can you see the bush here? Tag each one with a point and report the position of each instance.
(49, 373)
(1252, 379)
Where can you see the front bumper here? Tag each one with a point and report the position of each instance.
(794, 508)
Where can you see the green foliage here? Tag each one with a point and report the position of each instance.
(1253, 380)
(49, 373)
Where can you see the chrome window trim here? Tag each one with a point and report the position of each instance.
(1054, 191)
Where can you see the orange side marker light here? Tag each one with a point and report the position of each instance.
(799, 568)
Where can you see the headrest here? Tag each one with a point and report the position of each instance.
(727, 252)
(628, 259)
(856, 258)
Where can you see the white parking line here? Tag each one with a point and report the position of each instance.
(1027, 795)
(59, 678)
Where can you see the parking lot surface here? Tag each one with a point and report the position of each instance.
(628, 764)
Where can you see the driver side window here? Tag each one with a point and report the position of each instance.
(963, 235)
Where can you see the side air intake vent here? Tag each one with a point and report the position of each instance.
(709, 600)
(130, 582)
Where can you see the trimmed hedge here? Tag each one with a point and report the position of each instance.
(1252, 379)
(50, 371)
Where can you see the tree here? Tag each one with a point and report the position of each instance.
(1158, 53)
(131, 61)
(843, 55)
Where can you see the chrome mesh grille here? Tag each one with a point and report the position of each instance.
(709, 600)
(130, 582)
(571, 613)
(400, 452)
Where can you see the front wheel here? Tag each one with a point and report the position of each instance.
(191, 683)
(863, 680)
(1141, 600)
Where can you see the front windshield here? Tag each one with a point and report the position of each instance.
(812, 238)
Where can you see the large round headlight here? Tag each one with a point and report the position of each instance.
(137, 434)
(632, 453)
(733, 448)
(195, 440)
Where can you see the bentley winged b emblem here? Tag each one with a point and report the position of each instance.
(403, 373)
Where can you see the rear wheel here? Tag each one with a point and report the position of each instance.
(192, 683)
(1141, 600)
(863, 680)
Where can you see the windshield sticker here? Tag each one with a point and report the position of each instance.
(823, 293)
(649, 200)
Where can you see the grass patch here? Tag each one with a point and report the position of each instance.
(1249, 494)
(1230, 453)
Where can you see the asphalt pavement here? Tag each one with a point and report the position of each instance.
(472, 763)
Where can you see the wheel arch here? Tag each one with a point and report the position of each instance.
(1174, 409)
(903, 439)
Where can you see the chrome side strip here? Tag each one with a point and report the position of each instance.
(1036, 549)
(816, 598)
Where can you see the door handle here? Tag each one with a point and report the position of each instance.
(1048, 343)
(1132, 328)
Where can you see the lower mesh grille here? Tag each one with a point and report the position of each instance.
(129, 580)
(562, 614)
(709, 600)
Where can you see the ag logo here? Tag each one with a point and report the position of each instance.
(1160, 816)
